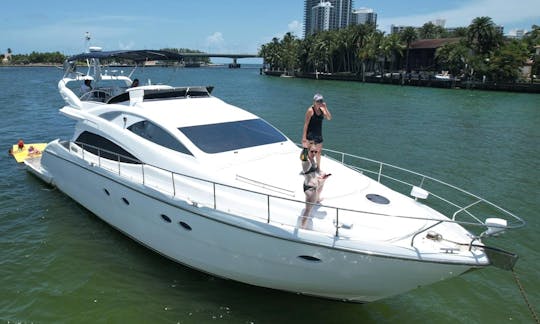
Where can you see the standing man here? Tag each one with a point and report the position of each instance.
(312, 133)
(86, 86)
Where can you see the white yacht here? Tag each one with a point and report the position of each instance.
(216, 188)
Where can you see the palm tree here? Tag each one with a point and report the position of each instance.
(375, 48)
(408, 35)
(317, 53)
(323, 49)
(289, 52)
(346, 46)
(483, 36)
(362, 33)
(391, 48)
(271, 53)
(428, 30)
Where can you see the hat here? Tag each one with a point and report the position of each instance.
(317, 97)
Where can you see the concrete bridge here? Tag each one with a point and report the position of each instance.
(234, 57)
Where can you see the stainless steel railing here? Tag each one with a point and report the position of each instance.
(455, 202)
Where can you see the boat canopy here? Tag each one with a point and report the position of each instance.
(133, 55)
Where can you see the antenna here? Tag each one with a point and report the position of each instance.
(87, 41)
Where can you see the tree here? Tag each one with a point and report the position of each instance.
(505, 64)
(532, 40)
(271, 54)
(289, 52)
(482, 35)
(430, 30)
(453, 57)
(321, 50)
(459, 32)
(346, 47)
(408, 35)
(391, 49)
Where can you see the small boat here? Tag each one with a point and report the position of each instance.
(196, 179)
(443, 76)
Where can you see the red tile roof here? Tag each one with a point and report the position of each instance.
(433, 43)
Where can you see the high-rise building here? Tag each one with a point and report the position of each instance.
(322, 15)
(364, 16)
(342, 14)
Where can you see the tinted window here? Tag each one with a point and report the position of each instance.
(107, 149)
(156, 134)
(110, 115)
(215, 138)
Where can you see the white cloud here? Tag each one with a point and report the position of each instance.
(295, 27)
(215, 41)
(126, 46)
(500, 11)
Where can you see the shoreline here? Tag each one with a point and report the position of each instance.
(401, 80)
(33, 65)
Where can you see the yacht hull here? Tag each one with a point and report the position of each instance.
(226, 246)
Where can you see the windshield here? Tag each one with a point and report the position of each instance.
(216, 138)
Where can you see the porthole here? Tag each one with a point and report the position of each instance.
(106, 192)
(125, 201)
(166, 218)
(309, 258)
(185, 226)
(378, 199)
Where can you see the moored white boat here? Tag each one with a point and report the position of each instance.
(195, 179)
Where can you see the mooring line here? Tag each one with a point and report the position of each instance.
(524, 294)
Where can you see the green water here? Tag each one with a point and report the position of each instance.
(59, 263)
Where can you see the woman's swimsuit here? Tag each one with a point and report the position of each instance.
(312, 169)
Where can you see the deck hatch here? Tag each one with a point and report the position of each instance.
(378, 199)
(310, 258)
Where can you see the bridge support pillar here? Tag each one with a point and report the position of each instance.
(234, 64)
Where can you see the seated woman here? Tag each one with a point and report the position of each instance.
(313, 181)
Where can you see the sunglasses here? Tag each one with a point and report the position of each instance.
(320, 101)
(314, 151)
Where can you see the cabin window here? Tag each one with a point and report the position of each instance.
(166, 218)
(156, 134)
(223, 137)
(111, 115)
(185, 226)
(105, 148)
(309, 258)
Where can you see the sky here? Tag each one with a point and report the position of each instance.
(216, 26)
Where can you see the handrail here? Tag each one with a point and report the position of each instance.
(520, 222)
(214, 188)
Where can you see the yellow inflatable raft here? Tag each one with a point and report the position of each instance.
(27, 151)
